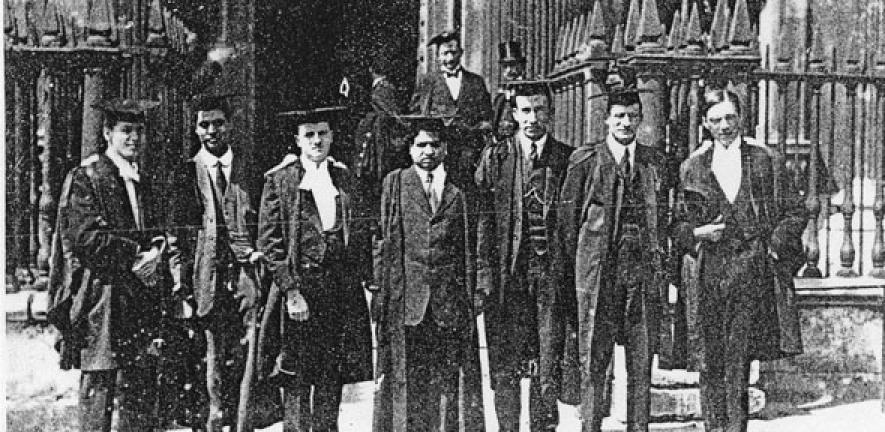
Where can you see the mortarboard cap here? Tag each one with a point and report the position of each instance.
(131, 110)
(329, 114)
(510, 52)
(443, 37)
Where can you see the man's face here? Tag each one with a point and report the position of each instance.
(210, 129)
(314, 140)
(449, 55)
(513, 70)
(427, 150)
(622, 122)
(125, 139)
(532, 114)
(723, 121)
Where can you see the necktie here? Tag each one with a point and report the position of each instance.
(625, 163)
(220, 180)
(533, 154)
(430, 193)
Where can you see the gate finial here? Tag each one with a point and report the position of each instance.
(675, 39)
(631, 29)
(618, 41)
(156, 28)
(740, 34)
(719, 27)
(596, 32)
(48, 26)
(99, 24)
(650, 29)
(694, 39)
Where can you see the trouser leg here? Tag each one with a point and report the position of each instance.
(737, 366)
(296, 408)
(593, 388)
(638, 375)
(326, 404)
(96, 400)
(712, 368)
(543, 408)
(137, 399)
(507, 401)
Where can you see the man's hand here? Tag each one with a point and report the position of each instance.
(709, 232)
(256, 256)
(296, 306)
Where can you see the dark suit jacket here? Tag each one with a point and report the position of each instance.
(780, 221)
(423, 254)
(112, 311)
(474, 103)
(500, 229)
(586, 222)
(203, 253)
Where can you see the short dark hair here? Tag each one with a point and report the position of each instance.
(717, 96)
(532, 90)
(111, 118)
(623, 98)
(210, 103)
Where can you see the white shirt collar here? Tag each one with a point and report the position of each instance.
(617, 149)
(439, 178)
(210, 160)
(310, 165)
(733, 148)
(526, 144)
(456, 71)
(128, 170)
(377, 80)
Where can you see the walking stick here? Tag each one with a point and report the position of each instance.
(244, 406)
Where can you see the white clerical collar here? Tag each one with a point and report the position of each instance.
(210, 160)
(526, 144)
(617, 149)
(376, 81)
(128, 170)
(310, 165)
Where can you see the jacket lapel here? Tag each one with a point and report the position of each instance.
(308, 204)
(448, 197)
(113, 193)
(414, 190)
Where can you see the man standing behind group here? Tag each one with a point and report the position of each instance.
(215, 210)
(428, 354)
(520, 179)
(513, 69)
(452, 91)
(609, 223)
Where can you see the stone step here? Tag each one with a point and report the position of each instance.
(685, 403)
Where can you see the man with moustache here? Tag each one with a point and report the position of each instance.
(428, 354)
(449, 90)
(612, 203)
(215, 210)
(116, 288)
(317, 241)
(518, 242)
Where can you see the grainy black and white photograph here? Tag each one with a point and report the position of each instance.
(444, 215)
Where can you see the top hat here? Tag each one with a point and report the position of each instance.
(510, 52)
